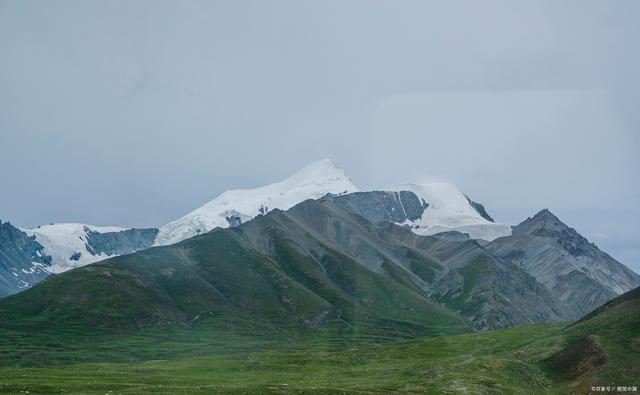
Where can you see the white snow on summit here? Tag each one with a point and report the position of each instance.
(62, 241)
(312, 182)
(449, 210)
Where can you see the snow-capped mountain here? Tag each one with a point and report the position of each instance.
(73, 245)
(426, 208)
(448, 209)
(23, 261)
(59, 247)
(65, 243)
(28, 256)
(240, 205)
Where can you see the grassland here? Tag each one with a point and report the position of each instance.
(601, 350)
(504, 361)
(515, 360)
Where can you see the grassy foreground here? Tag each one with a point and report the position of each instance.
(602, 349)
(503, 361)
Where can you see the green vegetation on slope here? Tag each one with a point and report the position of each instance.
(212, 287)
(520, 360)
(609, 343)
(470, 273)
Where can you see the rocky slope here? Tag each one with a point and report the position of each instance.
(574, 270)
(28, 256)
(460, 275)
(23, 261)
(377, 206)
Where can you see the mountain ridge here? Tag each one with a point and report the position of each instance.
(567, 265)
(572, 268)
(279, 284)
(240, 205)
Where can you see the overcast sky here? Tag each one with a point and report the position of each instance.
(133, 113)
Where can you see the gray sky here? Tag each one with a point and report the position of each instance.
(135, 112)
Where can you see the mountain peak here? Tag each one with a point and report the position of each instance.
(544, 221)
(323, 169)
(546, 215)
(546, 224)
(236, 206)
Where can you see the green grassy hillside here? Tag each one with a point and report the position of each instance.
(603, 347)
(468, 363)
(212, 287)
(500, 295)
(520, 360)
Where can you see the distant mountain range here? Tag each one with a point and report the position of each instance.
(312, 249)
(74, 245)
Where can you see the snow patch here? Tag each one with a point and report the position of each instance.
(61, 241)
(449, 210)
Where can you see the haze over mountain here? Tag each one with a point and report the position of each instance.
(428, 238)
(74, 245)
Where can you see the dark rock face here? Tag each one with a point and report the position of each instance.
(119, 243)
(380, 206)
(480, 209)
(22, 260)
(234, 220)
